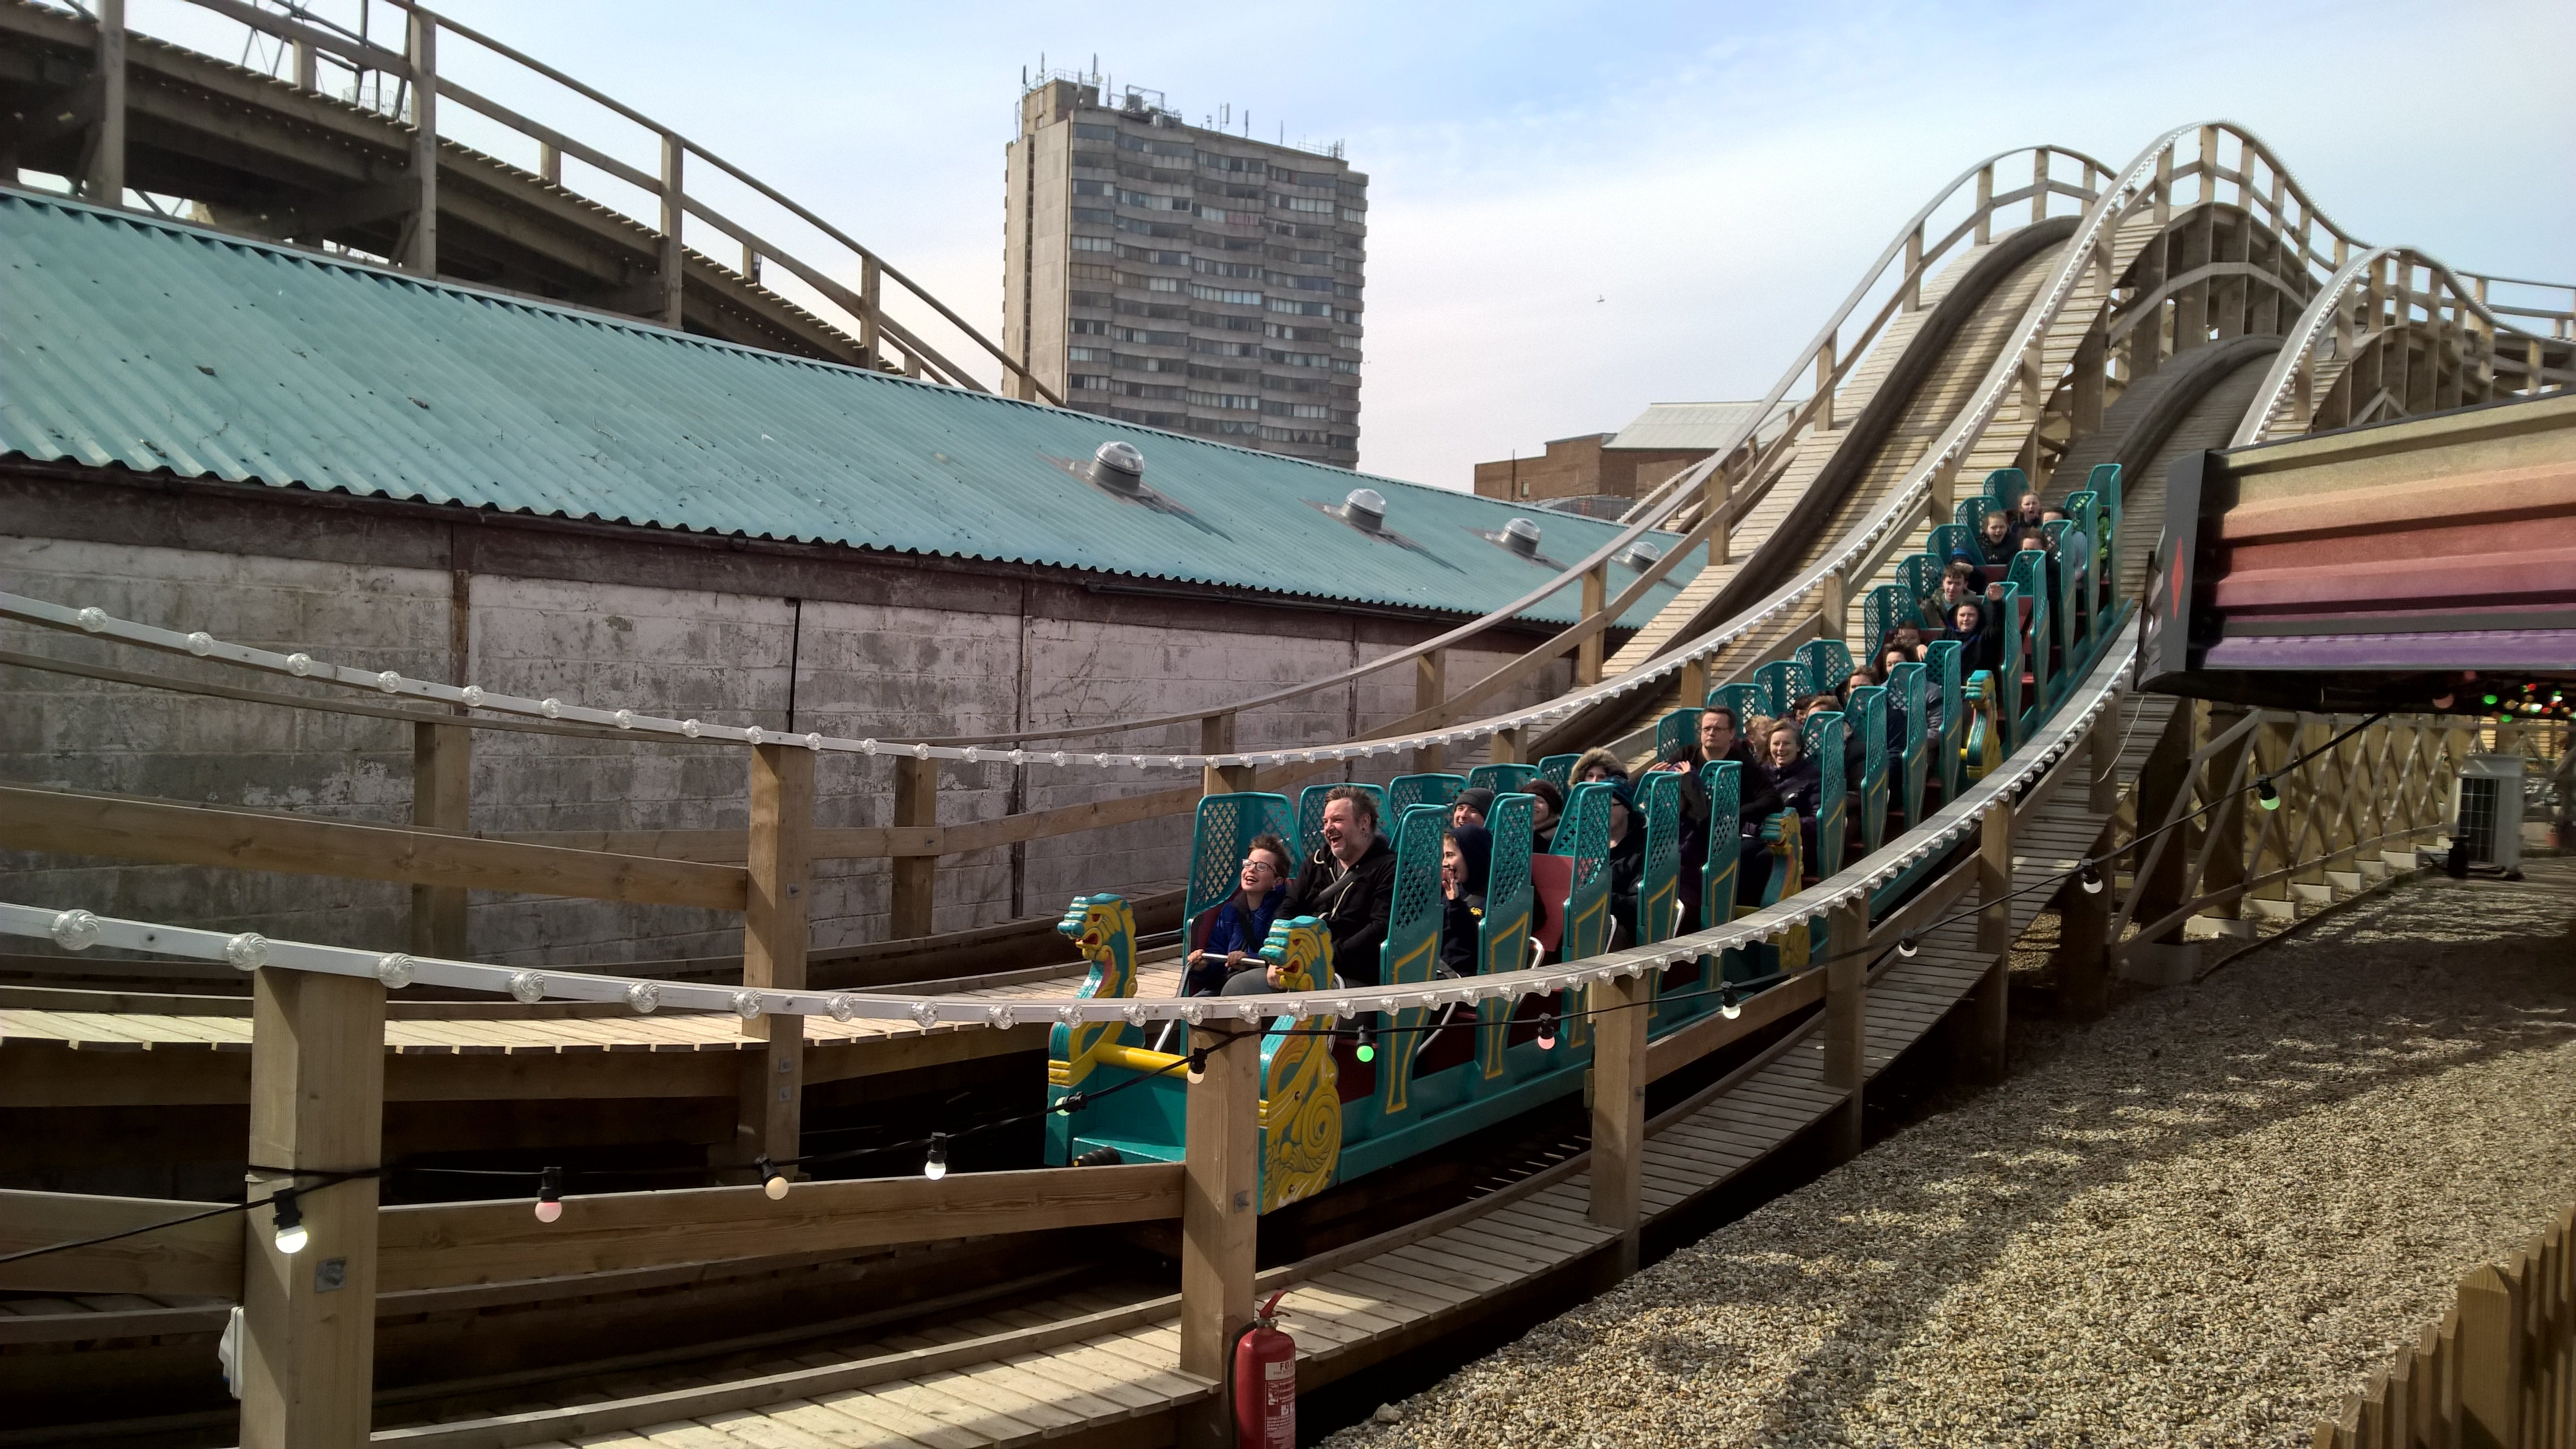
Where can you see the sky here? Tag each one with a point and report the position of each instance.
(1577, 210)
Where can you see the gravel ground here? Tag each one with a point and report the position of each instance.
(2203, 1220)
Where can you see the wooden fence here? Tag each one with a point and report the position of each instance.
(2499, 1371)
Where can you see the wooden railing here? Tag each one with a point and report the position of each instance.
(2379, 302)
(2498, 1372)
(303, 42)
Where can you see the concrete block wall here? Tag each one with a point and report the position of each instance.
(881, 669)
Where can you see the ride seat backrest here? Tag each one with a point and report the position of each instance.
(1584, 838)
(1558, 770)
(1659, 884)
(1407, 791)
(1679, 726)
(1888, 608)
(1413, 920)
(1225, 829)
(1828, 663)
(1724, 781)
(1551, 879)
(1744, 699)
(1948, 541)
(1502, 939)
(1782, 681)
(2005, 486)
(1501, 779)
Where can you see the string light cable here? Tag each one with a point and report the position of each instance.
(286, 1200)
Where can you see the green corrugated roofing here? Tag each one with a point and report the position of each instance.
(155, 345)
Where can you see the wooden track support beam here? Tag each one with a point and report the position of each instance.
(103, 178)
(1430, 691)
(916, 802)
(316, 1107)
(1587, 655)
(1991, 1002)
(1216, 737)
(1619, 1112)
(770, 1120)
(420, 248)
(1846, 1024)
(442, 762)
(1220, 1212)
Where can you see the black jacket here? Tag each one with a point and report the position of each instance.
(1462, 921)
(1801, 787)
(1627, 874)
(1353, 906)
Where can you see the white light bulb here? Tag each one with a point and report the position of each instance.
(1003, 1018)
(921, 752)
(691, 728)
(1019, 757)
(867, 747)
(201, 643)
(644, 997)
(775, 1187)
(395, 970)
(1058, 758)
(746, 1004)
(814, 741)
(93, 618)
(472, 694)
(751, 734)
(389, 682)
(625, 719)
(1069, 1015)
(528, 986)
(935, 1166)
(292, 1239)
(299, 664)
(75, 930)
(838, 1003)
(974, 756)
(247, 951)
(925, 1015)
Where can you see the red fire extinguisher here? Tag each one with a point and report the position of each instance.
(1265, 1382)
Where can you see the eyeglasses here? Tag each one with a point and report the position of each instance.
(1256, 863)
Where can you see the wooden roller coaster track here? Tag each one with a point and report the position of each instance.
(2057, 325)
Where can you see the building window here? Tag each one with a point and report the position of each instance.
(1355, 218)
(1207, 348)
(1083, 381)
(1089, 354)
(1160, 259)
(1162, 284)
(1094, 188)
(1346, 289)
(1095, 133)
(1301, 309)
(1225, 294)
(1089, 324)
(1231, 401)
(1302, 203)
(1094, 244)
(1226, 269)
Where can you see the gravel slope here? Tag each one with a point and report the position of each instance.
(2202, 1221)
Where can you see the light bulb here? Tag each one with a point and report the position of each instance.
(550, 1195)
(1367, 1050)
(247, 951)
(75, 930)
(395, 970)
(691, 728)
(528, 986)
(2090, 878)
(472, 694)
(644, 997)
(625, 719)
(935, 1166)
(201, 643)
(1906, 947)
(773, 1183)
(301, 664)
(389, 682)
(291, 1236)
(1197, 1071)
(746, 1003)
(1727, 1005)
(1547, 1032)
(93, 618)
(2266, 796)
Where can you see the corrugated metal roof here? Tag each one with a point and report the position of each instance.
(129, 340)
(1701, 427)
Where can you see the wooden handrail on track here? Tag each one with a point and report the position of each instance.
(310, 34)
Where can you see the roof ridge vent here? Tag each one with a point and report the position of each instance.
(1365, 509)
(1521, 537)
(1117, 466)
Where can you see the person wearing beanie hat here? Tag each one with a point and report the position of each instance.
(1472, 806)
(1466, 858)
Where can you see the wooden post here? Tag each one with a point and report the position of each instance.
(105, 181)
(1596, 596)
(441, 798)
(549, 163)
(2083, 949)
(916, 802)
(1846, 1024)
(306, 77)
(674, 216)
(1220, 1210)
(2102, 770)
(1430, 691)
(422, 254)
(1216, 737)
(1716, 494)
(1993, 997)
(1694, 683)
(2491, 1358)
(1914, 271)
(2165, 777)
(1833, 605)
(770, 1122)
(317, 1091)
(2039, 185)
(2228, 822)
(1825, 386)
(1619, 1110)
(1986, 205)
(1506, 748)
(868, 282)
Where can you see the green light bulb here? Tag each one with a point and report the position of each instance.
(1367, 1053)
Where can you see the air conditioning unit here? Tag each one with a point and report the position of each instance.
(2486, 810)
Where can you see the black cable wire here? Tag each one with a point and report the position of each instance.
(328, 1179)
